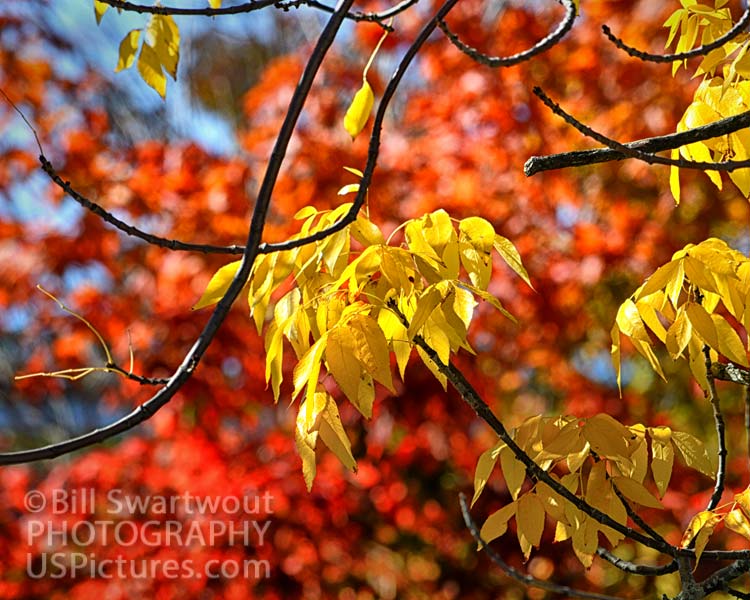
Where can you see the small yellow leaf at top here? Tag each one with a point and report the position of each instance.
(128, 49)
(218, 285)
(214, 3)
(150, 69)
(359, 110)
(99, 9)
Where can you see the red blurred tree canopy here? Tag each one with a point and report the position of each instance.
(340, 194)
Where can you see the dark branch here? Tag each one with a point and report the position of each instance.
(193, 357)
(514, 59)
(730, 372)
(376, 17)
(581, 158)
(738, 27)
(127, 228)
(628, 151)
(633, 568)
(713, 398)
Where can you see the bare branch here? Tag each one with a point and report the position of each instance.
(738, 28)
(713, 397)
(581, 158)
(636, 569)
(127, 228)
(254, 5)
(507, 61)
(629, 152)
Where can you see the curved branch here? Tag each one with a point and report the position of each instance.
(247, 7)
(193, 357)
(629, 152)
(580, 158)
(699, 51)
(514, 59)
(523, 578)
(175, 10)
(713, 398)
(633, 568)
(108, 217)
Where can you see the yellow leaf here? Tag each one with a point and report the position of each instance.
(128, 49)
(165, 36)
(529, 522)
(679, 333)
(426, 303)
(585, 542)
(514, 471)
(743, 499)
(512, 258)
(396, 334)
(438, 340)
(359, 110)
(662, 457)
(693, 452)
(630, 323)
(615, 351)
(150, 69)
(344, 366)
(305, 442)
(674, 177)
(497, 523)
(701, 526)
(214, 3)
(554, 504)
(636, 492)
(737, 521)
(703, 324)
(606, 436)
(659, 279)
(485, 465)
(99, 9)
(274, 358)
(307, 371)
(218, 285)
(366, 232)
(730, 344)
(333, 435)
(371, 349)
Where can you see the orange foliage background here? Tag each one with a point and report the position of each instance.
(456, 137)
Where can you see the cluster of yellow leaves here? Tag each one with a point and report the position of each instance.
(605, 464)
(677, 306)
(159, 52)
(735, 516)
(719, 95)
(354, 299)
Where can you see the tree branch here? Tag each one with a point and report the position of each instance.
(738, 28)
(630, 152)
(514, 59)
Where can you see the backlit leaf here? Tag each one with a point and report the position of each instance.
(359, 110)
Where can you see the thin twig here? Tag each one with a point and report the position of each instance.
(636, 569)
(736, 29)
(506, 61)
(713, 398)
(523, 578)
